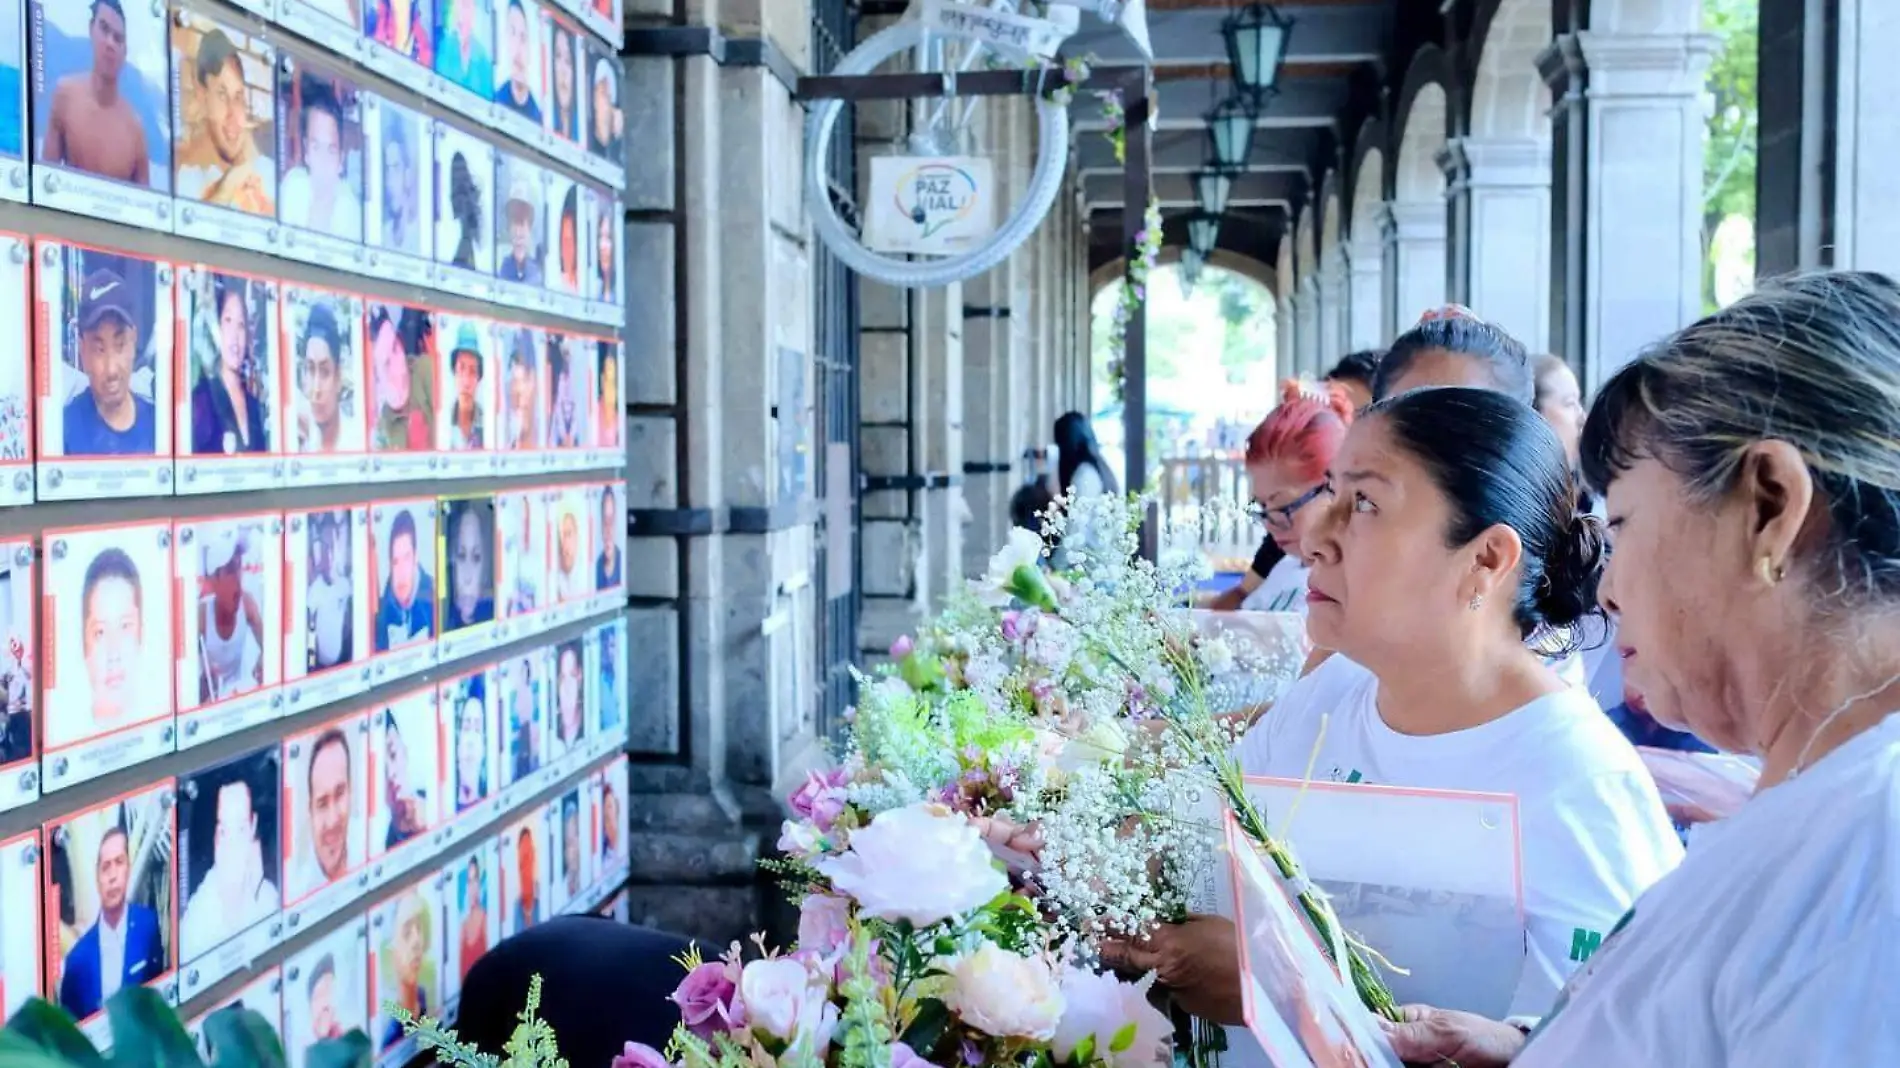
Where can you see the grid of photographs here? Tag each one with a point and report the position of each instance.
(175, 118)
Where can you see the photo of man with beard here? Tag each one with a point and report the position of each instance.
(325, 826)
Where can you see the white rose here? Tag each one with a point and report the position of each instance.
(798, 838)
(1002, 994)
(1102, 1006)
(787, 1000)
(921, 863)
(1024, 549)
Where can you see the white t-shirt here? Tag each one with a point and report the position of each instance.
(1772, 945)
(1283, 590)
(1593, 828)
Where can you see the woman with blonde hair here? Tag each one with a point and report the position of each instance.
(1751, 468)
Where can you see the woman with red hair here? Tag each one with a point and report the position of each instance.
(1287, 458)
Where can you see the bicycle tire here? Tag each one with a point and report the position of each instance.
(1045, 182)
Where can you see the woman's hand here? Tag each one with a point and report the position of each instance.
(1431, 1036)
(1019, 844)
(1197, 960)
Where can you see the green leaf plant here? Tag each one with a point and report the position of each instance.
(146, 1033)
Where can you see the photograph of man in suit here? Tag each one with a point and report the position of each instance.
(124, 946)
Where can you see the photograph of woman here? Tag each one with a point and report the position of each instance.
(609, 414)
(465, 171)
(401, 166)
(606, 287)
(466, 699)
(563, 274)
(570, 698)
(564, 113)
(404, 763)
(230, 371)
(474, 891)
(469, 558)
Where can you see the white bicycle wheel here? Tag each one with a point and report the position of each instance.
(1052, 160)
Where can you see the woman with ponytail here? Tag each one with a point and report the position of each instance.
(1287, 458)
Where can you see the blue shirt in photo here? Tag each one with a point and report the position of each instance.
(86, 434)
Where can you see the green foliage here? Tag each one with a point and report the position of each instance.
(531, 1045)
(1732, 146)
(864, 1029)
(146, 1033)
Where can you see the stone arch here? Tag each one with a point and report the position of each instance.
(1509, 98)
(1330, 225)
(1239, 263)
(1368, 192)
(1306, 247)
(1422, 118)
(1283, 269)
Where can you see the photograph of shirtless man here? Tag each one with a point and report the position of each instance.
(99, 111)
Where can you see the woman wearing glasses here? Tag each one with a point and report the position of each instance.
(1287, 457)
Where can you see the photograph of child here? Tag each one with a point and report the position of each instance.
(568, 392)
(20, 858)
(402, 374)
(109, 892)
(107, 114)
(404, 539)
(466, 382)
(524, 876)
(523, 685)
(476, 892)
(568, 525)
(328, 595)
(465, 44)
(403, 764)
(564, 214)
(231, 568)
(224, 116)
(111, 392)
(227, 850)
(230, 367)
(20, 654)
(406, 963)
(322, 150)
(467, 700)
(402, 26)
(607, 537)
(468, 540)
(604, 121)
(464, 199)
(326, 783)
(570, 699)
(522, 86)
(109, 593)
(520, 223)
(323, 330)
(564, 90)
(401, 167)
(609, 415)
(521, 430)
(606, 221)
(326, 991)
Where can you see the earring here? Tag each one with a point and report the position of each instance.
(1770, 572)
(1477, 602)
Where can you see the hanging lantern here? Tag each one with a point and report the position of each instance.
(1203, 231)
(1212, 184)
(1256, 45)
(1230, 127)
(1190, 271)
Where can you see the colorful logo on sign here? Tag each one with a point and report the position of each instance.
(934, 195)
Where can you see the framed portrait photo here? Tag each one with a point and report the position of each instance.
(110, 160)
(262, 995)
(464, 211)
(521, 520)
(465, 431)
(611, 857)
(524, 874)
(325, 819)
(224, 132)
(326, 399)
(326, 990)
(521, 231)
(523, 720)
(567, 440)
(569, 874)
(610, 414)
(230, 575)
(607, 667)
(19, 674)
(105, 358)
(470, 567)
(400, 41)
(604, 18)
(605, 123)
(566, 100)
(14, 179)
(569, 745)
(230, 380)
(399, 208)
(465, 56)
(402, 375)
(565, 272)
(519, 349)
(106, 619)
(571, 568)
(111, 865)
(335, 24)
(521, 76)
(21, 857)
(470, 885)
(406, 961)
(606, 221)
(229, 874)
(326, 606)
(402, 559)
(607, 514)
(16, 369)
(470, 702)
(320, 139)
(405, 782)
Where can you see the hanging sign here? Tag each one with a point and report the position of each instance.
(929, 205)
(1019, 35)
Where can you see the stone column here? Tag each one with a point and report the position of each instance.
(1501, 188)
(1334, 314)
(1306, 311)
(1286, 333)
(1365, 287)
(1829, 167)
(1628, 190)
(1416, 238)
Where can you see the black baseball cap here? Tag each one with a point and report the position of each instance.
(104, 293)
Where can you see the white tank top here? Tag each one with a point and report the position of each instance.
(227, 660)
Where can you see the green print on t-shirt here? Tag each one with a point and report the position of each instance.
(1584, 943)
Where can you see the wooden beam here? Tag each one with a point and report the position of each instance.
(1292, 68)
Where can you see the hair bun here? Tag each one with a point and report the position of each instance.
(1568, 593)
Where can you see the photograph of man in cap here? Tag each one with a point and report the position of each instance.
(520, 41)
(521, 222)
(230, 630)
(92, 122)
(466, 415)
(108, 418)
(224, 157)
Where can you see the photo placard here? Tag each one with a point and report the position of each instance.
(465, 57)
(106, 625)
(521, 231)
(406, 790)
(335, 24)
(402, 557)
(566, 99)
(20, 858)
(471, 704)
(524, 874)
(104, 348)
(230, 381)
(17, 401)
(521, 82)
(572, 868)
(466, 413)
(224, 131)
(470, 567)
(524, 701)
(471, 897)
(228, 868)
(19, 675)
(400, 43)
(114, 161)
(326, 990)
(111, 860)
(262, 995)
(607, 667)
(402, 373)
(519, 450)
(327, 399)
(320, 140)
(569, 744)
(521, 517)
(571, 561)
(406, 960)
(327, 606)
(607, 221)
(608, 829)
(399, 220)
(14, 178)
(326, 819)
(609, 415)
(464, 211)
(230, 572)
(567, 441)
(607, 536)
(605, 122)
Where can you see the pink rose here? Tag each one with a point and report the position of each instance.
(637, 1055)
(821, 799)
(823, 924)
(902, 647)
(708, 1001)
(902, 1056)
